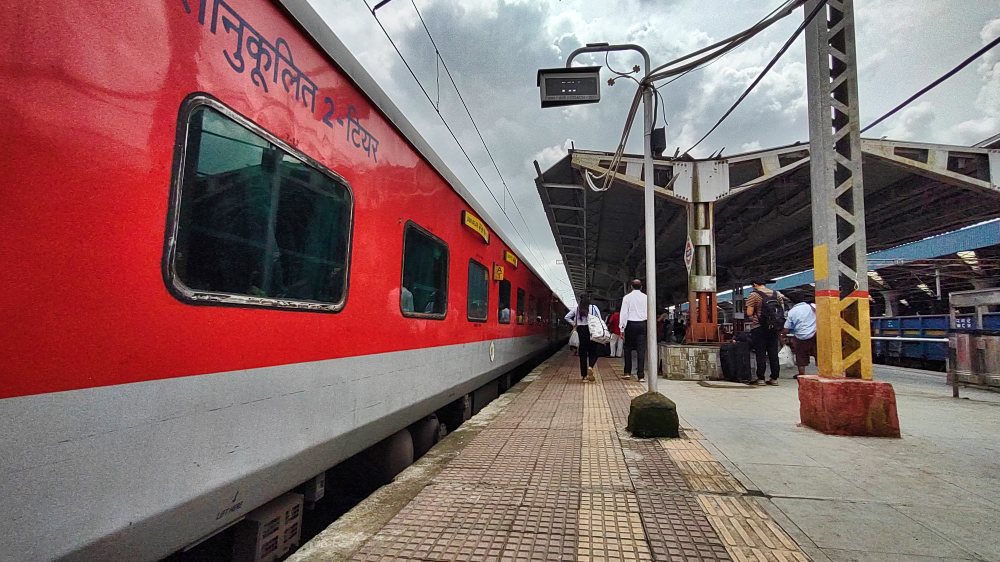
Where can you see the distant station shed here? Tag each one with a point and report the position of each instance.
(759, 205)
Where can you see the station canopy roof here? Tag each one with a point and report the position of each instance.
(763, 221)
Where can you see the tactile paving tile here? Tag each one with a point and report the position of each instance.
(611, 538)
(460, 474)
(681, 444)
(609, 501)
(372, 557)
(748, 531)
(563, 475)
(654, 475)
(539, 547)
(492, 518)
(604, 468)
(533, 519)
(472, 546)
(678, 529)
(460, 494)
(719, 484)
(552, 478)
(695, 454)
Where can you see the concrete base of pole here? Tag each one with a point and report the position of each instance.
(848, 406)
(653, 415)
(698, 362)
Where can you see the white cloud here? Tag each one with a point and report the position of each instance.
(549, 155)
(972, 131)
(988, 99)
(912, 123)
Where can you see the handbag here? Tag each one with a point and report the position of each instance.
(786, 357)
(599, 332)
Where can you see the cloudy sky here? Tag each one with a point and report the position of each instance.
(494, 48)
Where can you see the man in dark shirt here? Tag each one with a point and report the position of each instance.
(764, 339)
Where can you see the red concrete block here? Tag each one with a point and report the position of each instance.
(848, 406)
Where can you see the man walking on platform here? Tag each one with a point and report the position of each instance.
(632, 322)
(616, 334)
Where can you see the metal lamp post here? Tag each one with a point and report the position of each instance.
(647, 113)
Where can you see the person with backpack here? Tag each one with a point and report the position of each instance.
(766, 313)
(801, 324)
(579, 317)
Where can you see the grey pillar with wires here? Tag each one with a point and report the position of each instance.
(838, 203)
(842, 400)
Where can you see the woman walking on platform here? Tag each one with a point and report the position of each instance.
(578, 317)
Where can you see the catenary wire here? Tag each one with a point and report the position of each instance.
(721, 47)
(783, 10)
(468, 112)
(454, 136)
(933, 84)
(788, 43)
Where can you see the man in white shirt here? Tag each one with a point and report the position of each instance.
(801, 323)
(632, 322)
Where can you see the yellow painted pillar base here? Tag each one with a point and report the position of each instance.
(843, 335)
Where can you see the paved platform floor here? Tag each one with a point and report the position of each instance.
(548, 472)
(934, 494)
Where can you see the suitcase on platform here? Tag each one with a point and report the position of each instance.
(735, 360)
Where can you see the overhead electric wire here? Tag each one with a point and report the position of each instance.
(458, 91)
(933, 84)
(788, 43)
(452, 132)
(723, 47)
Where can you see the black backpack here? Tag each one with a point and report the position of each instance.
(772, 314)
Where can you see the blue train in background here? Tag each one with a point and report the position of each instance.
(920, 355)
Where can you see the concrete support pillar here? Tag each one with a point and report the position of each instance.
(891, 299)
(843, 399)
(707, 178)
(704, 319)
(840, 261)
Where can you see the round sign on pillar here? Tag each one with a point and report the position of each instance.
(688, 253)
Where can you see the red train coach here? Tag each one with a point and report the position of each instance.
(229, 262)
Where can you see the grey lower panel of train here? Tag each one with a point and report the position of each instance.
(136, 471)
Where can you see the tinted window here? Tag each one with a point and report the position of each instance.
(520, 306)
(425, 274)
(257, 224)
(503, 308)
(479, 291)
(532, 309)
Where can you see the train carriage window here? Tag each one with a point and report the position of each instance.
(503, 307)
(532, 309)
(520, 306)
(424, 290)
(479, 292)
(257, 223)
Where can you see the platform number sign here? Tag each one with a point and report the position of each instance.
(688, 254)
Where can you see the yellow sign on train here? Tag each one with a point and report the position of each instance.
(473, 222)
(497, 272)
(510, 257)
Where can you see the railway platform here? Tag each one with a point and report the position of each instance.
(548, 472)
